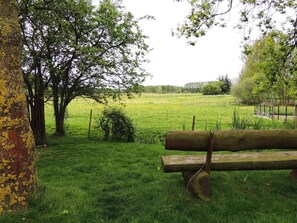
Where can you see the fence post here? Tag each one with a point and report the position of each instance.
(193, 123)
(90, 123)
(278, 112)
(295, 113)
(286, 112)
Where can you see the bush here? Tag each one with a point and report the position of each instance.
(212, 88)
(243, 91)
(116, 125)
(238, 122)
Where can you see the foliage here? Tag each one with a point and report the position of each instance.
(213, 88)
(79, 50)
(243, 91)
(227, 83)
(117, 125)
(266, 15)
(238, 122)
(278, 68)
(163, 89)
(194, 87)
(269, 73)
(191, 87)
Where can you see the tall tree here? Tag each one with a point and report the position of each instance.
(82, 51)
(33, 71)
(17, 171)
(278, 66)
(270, 70)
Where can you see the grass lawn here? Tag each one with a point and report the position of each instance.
(83, 180)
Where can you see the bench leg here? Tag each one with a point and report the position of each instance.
(198, 184)
(294, 174)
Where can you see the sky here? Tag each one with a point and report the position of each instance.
(172, 60)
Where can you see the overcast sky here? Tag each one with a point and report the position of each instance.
(174, 62)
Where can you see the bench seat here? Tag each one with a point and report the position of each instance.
(234, 161)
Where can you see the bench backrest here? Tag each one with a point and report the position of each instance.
(232, 140)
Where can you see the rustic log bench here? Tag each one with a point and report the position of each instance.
(196, 168)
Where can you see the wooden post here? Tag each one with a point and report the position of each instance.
(209, 153)
(264, 110)
(90, 123)
(193, 123)
(295, 118)
(286, 111)
(278, 112)
(260, 110)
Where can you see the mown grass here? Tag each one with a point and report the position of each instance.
(83, 180)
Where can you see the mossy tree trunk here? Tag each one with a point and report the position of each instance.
(17, 170)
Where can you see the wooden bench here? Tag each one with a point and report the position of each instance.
(196, 168)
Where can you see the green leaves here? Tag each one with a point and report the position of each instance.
(117, 125)
(81, 50)
(269, 68)
(266, 15)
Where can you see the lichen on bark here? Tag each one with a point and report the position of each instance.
(17, 167)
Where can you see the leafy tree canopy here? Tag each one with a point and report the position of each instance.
(270, 70)
(213, 88)
(267, 15)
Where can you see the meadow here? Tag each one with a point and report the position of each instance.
(91, 180)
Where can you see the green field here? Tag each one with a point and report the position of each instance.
(159, 113)
(89, 180)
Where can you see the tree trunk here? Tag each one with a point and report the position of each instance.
(59, 107)
(59, 120)
(38, 120)
(60, 131)
(17, 169)
(36, 103)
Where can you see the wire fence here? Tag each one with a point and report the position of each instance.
(276, 112)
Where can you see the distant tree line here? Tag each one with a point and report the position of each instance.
(221, 86)
(163, 89)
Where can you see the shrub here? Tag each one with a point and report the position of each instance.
(243, 91)
(116, 125)
(238, 122)
(212, 88)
